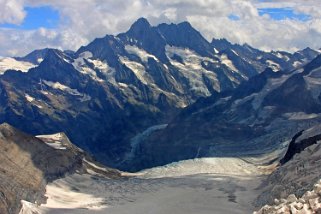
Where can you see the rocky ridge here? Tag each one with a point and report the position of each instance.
(298, 174)
(262, 113)
(28, 163)
(114, 88)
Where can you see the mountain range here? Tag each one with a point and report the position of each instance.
(211, 118)
(116, 91)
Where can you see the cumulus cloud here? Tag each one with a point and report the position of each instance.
(11, 11)
(83, 20)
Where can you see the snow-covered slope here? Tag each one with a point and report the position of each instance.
(194, 186)
(13, 64)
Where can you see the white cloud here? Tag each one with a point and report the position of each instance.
(83, 20)
(11, 11)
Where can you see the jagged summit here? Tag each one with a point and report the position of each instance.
(132, 81)
(140, 24)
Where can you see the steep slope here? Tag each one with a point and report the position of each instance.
(116, 87)
(260, 60)
(256, 117)
(27, 163)
(300, 171)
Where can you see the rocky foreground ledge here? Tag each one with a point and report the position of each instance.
(309, 203)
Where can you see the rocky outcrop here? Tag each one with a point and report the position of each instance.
(309, 203)
(27, 163)
(299, 173)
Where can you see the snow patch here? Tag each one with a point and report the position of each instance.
(300, 116)
(226, 61)
(81, 65)
(192, 68)
(94, 165)
(29, 208)
(29, 98)
(142, 54)
(10, 63)
(273, 65)
(296, 64)
(281, 56)
(39, 60)
(54, 141)
(235, 52)
(74, 92)
(61, 195)
(122, 85)
(137, 68)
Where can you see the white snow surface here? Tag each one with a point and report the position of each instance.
(226, 166)
(226, 61)
(273, 65)
(102, 66)
(29, 98)
(74, 92)
(10, 63)
(137, 68)
(192, 68)
(204, 185)
(142, 54)
(300, 116)
(53, 140)
(296, 64)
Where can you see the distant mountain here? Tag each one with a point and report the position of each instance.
(257, 117)
(116, 87)
(27, 163)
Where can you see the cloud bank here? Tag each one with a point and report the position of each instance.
(83, 20)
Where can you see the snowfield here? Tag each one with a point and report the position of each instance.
(10, 63)
(204, 185)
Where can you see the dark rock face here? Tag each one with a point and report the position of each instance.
(297, 147)
(35, 56)
(253, 118)
(293, 96)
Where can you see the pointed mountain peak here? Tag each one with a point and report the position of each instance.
(141, 23)
(35, 57)
(54, 55)
(315, 63)
(186, 24)
(183, 26)
(221, 44)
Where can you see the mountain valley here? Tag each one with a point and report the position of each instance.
(184, 125)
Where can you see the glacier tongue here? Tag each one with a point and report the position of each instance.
(204, 185)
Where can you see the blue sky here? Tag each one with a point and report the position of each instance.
(26, 25)
(283, 13)
(37, 17)
(47, 17)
